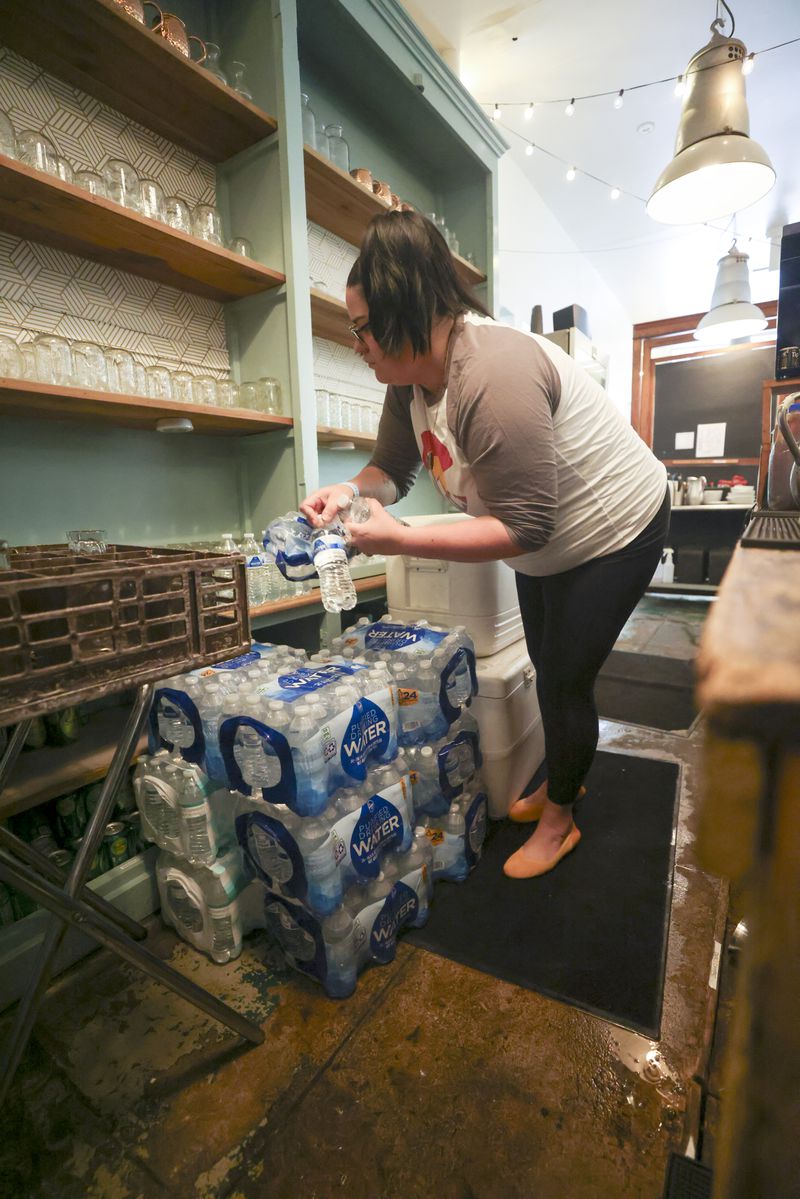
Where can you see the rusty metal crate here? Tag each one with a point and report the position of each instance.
(74, 627)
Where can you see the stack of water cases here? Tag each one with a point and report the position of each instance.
(308, 797)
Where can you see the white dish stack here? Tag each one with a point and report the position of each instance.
(482, 597)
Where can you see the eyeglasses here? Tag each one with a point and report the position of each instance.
(356, 331)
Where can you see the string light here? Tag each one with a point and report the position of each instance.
(615, 193)
(529, 112)
(570, 109)
(748, 64)
(571, 173)
(498, 112)
(618, 100)
(529, 149)
(679, 87)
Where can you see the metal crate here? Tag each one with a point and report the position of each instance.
(74, 627)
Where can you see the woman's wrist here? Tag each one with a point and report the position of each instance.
(355, 487)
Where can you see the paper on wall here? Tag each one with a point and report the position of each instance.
(710, 441)
(684, 441)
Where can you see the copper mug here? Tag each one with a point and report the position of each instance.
(135, 8)
(173, 30)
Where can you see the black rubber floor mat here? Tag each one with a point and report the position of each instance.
(647, 689)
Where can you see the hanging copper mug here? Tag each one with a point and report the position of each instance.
(173, 30)
(135, 9)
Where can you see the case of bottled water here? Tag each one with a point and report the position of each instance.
(212, 907)
(315, 860)
(360, 930)
(433, 668)
(301, 552)
(181, 809)
(441, 769)
(457, 836)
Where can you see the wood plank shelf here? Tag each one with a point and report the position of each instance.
(329, 318)
(43, 774)
(22, 397)
(95, 46)
(336, 202)
(362, 441)
(311, 599)
(723, 506)
(40, 207)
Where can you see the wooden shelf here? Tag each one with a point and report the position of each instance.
(42, 208)
(43, 774)
(329, 318)
(336, 202)
(96, 47)
(21, 397)
(312, 599)
(724, 505)
(361, 441)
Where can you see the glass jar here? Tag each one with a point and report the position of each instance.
(227, 393)
(322, 141)
(270, 397)
(54, 360)
(37, 151)
(91, 182)
(10, 360)
(8, 143)
(309, 123)
(140, 379)
(27, 358)
(159, 383)
(120, 371)
(338, 149)
(240, 245)
(89, 366)
(182, 387)
(335, 410)
(122, 183)
(64, 170)
(206, 224)
(211, 62)
(248, 395)
(204, 390)
(178, 214)
(323, 401)
(152, 200)
(346, 420)
(239, 82)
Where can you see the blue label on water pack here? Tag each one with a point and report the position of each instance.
(366, 736)
(237, 663)
(458, 762)
(475, 828)
(298, 934)
(272, 853)
(401, 907)
(284, 790)
(378, 828)
(307, 680)
(385, 636)
(195, 752)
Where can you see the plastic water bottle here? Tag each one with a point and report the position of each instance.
(158, 803)
(223, 914)
(424, 769)
(256, 574)
(323, 879)
(431, 717)
(336, 587)
(226, 545)
(311, 775)
(174, 726)
(199, 839)
(340, 956)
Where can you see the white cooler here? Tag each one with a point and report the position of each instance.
(482, 596)
(512, 738)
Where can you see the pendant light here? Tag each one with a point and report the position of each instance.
(731, 314)
(717, 168)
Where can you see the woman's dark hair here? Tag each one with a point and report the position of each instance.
(409, 279)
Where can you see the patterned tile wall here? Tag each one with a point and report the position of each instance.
(43, 290)
(336, 367)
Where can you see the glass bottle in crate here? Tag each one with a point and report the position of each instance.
(309, 123)
(338, 149)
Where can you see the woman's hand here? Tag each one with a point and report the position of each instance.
(381, 534)
(323, 504)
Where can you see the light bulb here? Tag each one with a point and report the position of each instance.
(529, 112)
(748, 64)
(679, 86)
(570, 109)
(618, 100)
(529, 149)
(615, 193)
(498, 112)
(571, 173)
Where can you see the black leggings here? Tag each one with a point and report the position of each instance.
(571, 621)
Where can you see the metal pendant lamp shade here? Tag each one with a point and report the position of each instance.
(731, 314)
(717, 168)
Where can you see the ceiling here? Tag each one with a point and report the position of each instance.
(549, 49)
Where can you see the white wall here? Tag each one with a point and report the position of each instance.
(562, 277)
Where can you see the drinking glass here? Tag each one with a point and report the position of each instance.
(27, 357)
(91, 182)
(120, 371)
(323, 402)
(140, 379)
(227, 393)
(64, 170)
(159, 383)
(335, 410)
(37, 151)
(374, 419)
(182, 386)
(54, 360)
(347, 415)
(178, 214)
(309, 123)
(338, 149)
(270, 395)
(10, 360)
(211, 62)
(248, 395)
(206, 224)
(204, 390)
(89, 366)
(240, 245)
(8, 143)
(152, 200)
(122, 183)
(238, 81)
(87, 541)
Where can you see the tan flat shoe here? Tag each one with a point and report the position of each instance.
(526, 809)
(520, 866)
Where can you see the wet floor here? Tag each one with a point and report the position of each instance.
(431, 1080)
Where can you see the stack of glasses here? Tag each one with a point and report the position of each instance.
(336, 411)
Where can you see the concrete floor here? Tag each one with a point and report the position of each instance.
(432, 1080)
